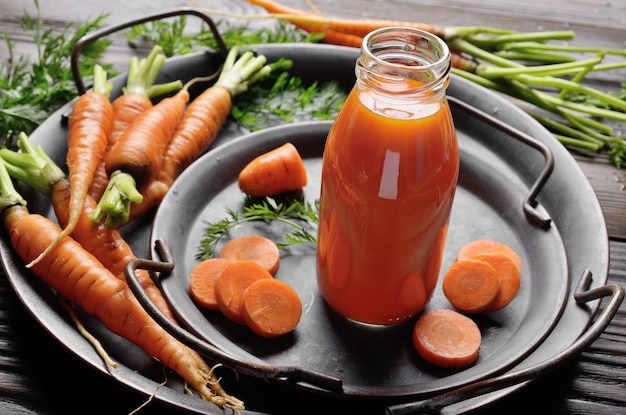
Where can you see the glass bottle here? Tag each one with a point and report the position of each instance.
(389, 176)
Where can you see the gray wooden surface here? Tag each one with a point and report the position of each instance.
(38, 376)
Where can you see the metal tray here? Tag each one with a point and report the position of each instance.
(497, 174)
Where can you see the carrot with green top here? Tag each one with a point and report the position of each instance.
(136, 98)
(201, 123)
(78, 276)
(89, 125)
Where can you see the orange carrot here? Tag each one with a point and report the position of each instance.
(274, 172)
(314, 23)
(135, 100)
(253, 248)
(471, 286)
(202, 280)
(89, 125)
(486, 246)
(447, 339)
(230, 286)
(80, 277)
(201, 123)
(271, 307)
(509, 275)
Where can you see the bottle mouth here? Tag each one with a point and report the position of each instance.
(401, 53)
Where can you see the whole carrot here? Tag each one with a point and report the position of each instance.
(202, 121)
(81, 278)
(89, 125)
(136, 98)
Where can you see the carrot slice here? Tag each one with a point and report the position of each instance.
(486, 246)
(510, 278)
(230, 286)
(470, 285)
(447, 338)
(253, 248)
(277, 171)
(202, 280)
(271, 307)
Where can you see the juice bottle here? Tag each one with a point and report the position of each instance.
(389, 175)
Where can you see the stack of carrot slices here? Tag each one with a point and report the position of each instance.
(240, 283)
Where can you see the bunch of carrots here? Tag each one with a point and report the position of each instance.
(547, 78)
(120, 154)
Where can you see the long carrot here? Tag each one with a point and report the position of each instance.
(89, 125)
(202, 121)
(80, 277)
(136, 98)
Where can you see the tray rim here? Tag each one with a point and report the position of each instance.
(46, 314)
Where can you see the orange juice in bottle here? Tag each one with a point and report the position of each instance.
(389, 176)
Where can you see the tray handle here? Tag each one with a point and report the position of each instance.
(582, 295)
(165, 267)
(530, 203)
(97, 34)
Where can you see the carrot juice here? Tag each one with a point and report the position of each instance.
(389, 176)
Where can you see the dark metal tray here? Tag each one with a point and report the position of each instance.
(497, 174)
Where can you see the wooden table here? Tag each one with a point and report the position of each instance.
(39, 376)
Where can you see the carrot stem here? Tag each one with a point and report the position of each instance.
(114, 206)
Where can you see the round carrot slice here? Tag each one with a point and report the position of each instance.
(486, 246)
(447, 339)
(470, 285)
(253, 248)
(509, 275)
(202, 281)
(230, 286)
(271, 307)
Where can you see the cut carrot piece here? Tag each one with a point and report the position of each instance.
(253, 248)
(271, 307)
(486, 246)
(202, 280)
(277, 171)
(510, 278)
(447, 339)
(471, 285)
(230, 286)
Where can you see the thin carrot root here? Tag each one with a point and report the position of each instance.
(447, 339)
(253, 248)
(277, 171)
(471, 286)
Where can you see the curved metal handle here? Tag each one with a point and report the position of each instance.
(530, 202)
(166, 266)
(581, 295)
(97, 34)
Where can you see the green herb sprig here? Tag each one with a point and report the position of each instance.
(299, 215)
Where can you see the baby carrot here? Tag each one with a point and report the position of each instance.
(253, 248)
(230, 286)
(471, 286)
(89, 125)
(486, 246)
(202, 280)
(509, 275)
(274, 172)
(271, 307)
(447, 339)
(201, 123)
(81, 278)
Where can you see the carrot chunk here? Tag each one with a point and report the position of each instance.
(470, 285)
(277, 171)
(253, 248)
(509, 275)
(271, 307)
(230, 286)
(447, 339)
(202, 280)
(486, 246)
